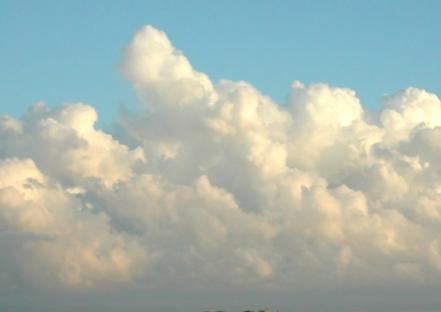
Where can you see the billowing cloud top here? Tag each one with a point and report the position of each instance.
(215, 184)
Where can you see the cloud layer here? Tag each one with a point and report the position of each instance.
(216, 184)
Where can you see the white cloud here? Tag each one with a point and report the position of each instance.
(64, 142)
(58, 238)
(162, 73)
(221, 185)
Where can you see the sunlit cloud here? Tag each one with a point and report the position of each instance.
(213, 183)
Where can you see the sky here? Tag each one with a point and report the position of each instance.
(61, 51)
(193, 156)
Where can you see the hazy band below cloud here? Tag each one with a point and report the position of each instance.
(215, 185)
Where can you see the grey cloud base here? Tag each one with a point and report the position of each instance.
(215, 185)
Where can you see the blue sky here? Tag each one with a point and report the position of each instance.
(59, 51)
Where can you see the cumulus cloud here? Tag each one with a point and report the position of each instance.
(57, 238)
(216, 184)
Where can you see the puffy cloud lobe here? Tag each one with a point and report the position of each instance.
(65, 143)
(313, 105)
(68, 242)
(222, 186)
(408, 109)
(162, 73)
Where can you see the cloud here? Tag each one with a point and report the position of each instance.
(155, 67)
(57, 238)
(216, 184)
